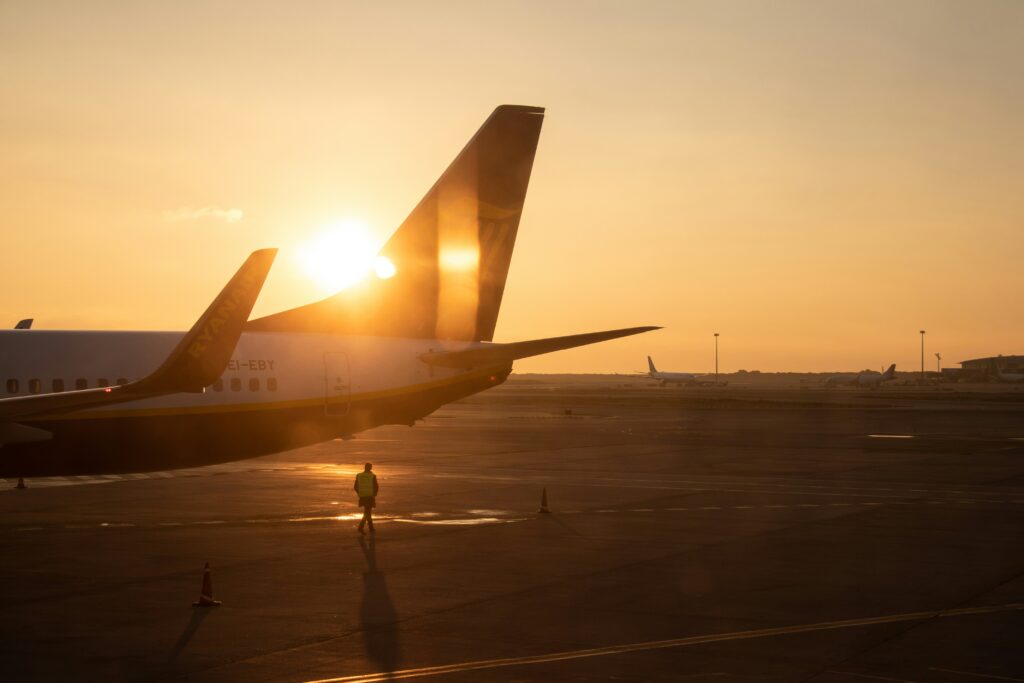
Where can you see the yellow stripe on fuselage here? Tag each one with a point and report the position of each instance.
(275, 405)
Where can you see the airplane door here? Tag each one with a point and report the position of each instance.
(337, 382)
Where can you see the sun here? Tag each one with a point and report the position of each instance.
(342, 254)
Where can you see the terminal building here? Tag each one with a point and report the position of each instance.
(1005, 363)
(980, 369)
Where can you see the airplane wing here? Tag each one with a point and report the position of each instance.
(198, 359)
(493, 354)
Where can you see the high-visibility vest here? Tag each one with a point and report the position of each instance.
(364, 484)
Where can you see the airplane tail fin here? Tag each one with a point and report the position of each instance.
(450, 256)
(650, 364)
(890, 372)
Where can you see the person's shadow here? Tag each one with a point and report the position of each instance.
(377, 613)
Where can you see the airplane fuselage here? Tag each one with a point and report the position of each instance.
(864, 379)
(672, 377)
(279, 391)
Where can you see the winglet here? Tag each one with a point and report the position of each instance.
(203, 353)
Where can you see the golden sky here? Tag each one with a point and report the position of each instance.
(816, 181)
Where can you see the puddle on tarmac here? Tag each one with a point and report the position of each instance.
(460, 522)
(431, 518)
(336, 518)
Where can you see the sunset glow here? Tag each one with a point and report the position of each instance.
(816, 181)
(340, 255)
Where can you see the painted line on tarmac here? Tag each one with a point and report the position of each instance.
(991, 677)
(240, 467)
(872, 677)
(664, 644)
(834, 487)
(497, 516)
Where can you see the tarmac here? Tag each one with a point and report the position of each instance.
(737, 533)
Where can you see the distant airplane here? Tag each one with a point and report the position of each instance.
(997, 374)
(868, 378)
(391, 350)
(670, 377)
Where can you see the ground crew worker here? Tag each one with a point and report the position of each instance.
(366, 488)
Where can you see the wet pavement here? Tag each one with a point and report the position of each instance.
(721, 534)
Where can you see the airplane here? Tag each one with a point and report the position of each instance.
(667, 378)
(868, 378)
(998, 375)
(390, 350)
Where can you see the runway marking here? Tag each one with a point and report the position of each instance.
(664, 644)
(499, 516)
(871, 676)
(968, 673)
(839, 488)
(715, 484)
(714, 487)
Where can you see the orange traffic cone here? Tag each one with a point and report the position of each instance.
(544, 502)
(21, 484)
(206, 594)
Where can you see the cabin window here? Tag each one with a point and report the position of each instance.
(121, 381)
(271, 384)
(254, 384)
(81, 384)
(218, 385)
(236, 384)
(12, 386)
(35, 386)
(58, 385)
(102, 382)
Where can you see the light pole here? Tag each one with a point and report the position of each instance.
(922, 354)
(938, 363)
(716, 358)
